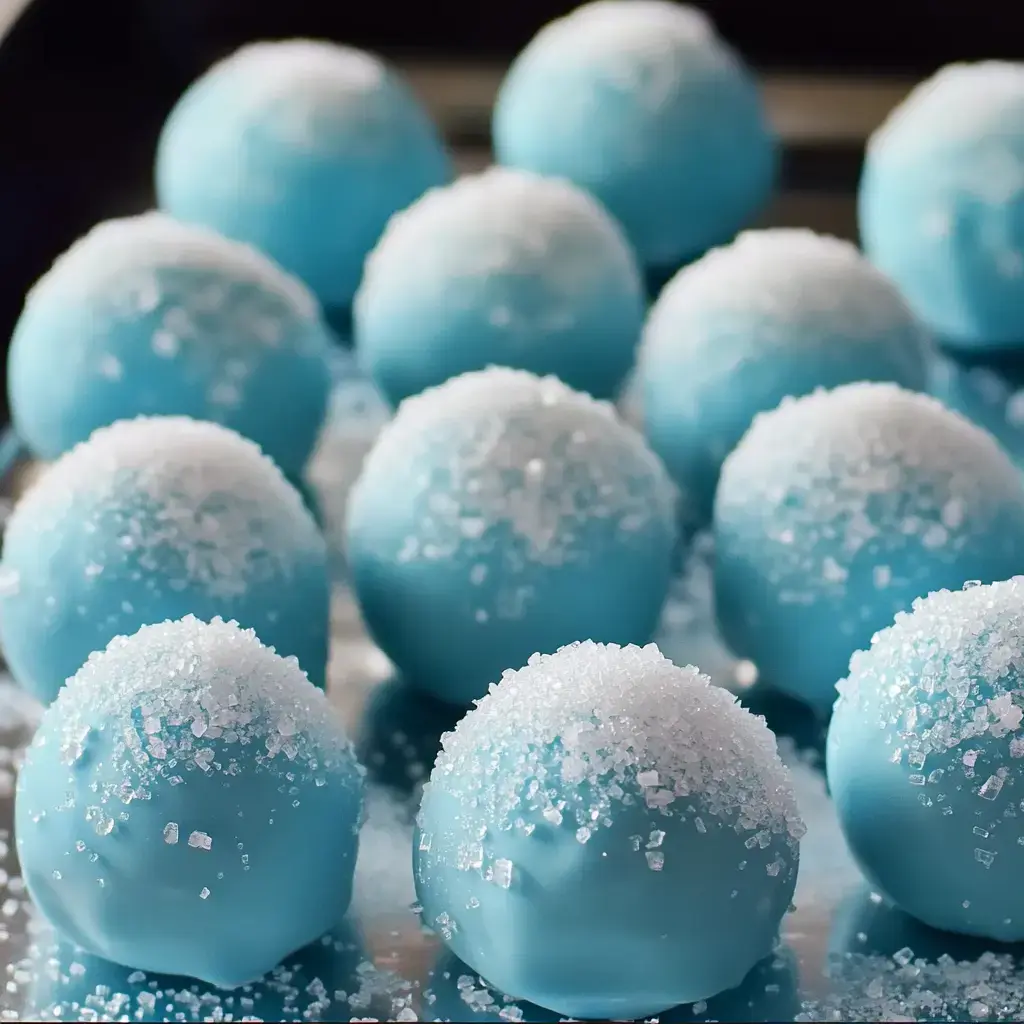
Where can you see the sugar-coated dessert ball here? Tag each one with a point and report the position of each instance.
(502, 268)
(190, 805)
(989, 393)
(501, 514)
(640, 103)
(837, 510)
(147, 316)
(941, 204)
(153, 519)
(608, 835)
(924, 760)
(776, 313)
(304, 149)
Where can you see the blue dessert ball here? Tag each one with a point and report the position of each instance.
(190, 805)
(776, 313)
(608, 835)
(147, 316)
(500, 514)
(501, 268)
(990, 394)
(152, 519)
(304, 149)
(837, 510)
(640, 103)
(942, 208)
(924, 760)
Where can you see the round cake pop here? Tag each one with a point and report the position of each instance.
(152, 519)
(188, 788)
(924, 760)
(776, 313)
(836, 510)
(146, 316)
(503, 513)
(640, 103)
(608, 835)
(942, 203)
(502, 268)
(304, 149)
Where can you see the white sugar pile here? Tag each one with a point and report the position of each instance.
(179, 495)
(823, 476)
(967, 652)
(116, 263)
(626, 726)
(803, 287)
(190, 696)
(503, 448)
(506, 221)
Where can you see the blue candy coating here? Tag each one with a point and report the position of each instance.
(146, 316)
(608, 835)
(304, 149)
(776, 313)
(923, 760)
(500, 514)
(152, 519)
(941, 209)
(190, 805)
(641, 104)
(837, 510)
(502, 268)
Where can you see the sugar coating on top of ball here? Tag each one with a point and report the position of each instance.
(940, 202)
(928, 728)
(646, 107)
(145, 315)
(512, 513)
(155, 518)
(303, 148)
(503, 267)
(844, 506)
(777, 313)
(166, 803)
(606, 768)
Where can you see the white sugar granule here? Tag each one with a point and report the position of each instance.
(115, 264)
(182, 497)
(966, 649)
(630, 728)
(503, 448)
(803, 288)
(257, 711)
(865, 464)
(505, 221)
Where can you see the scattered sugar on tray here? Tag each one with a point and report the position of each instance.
(629, 726)
(174, 483)
(175, 687)
(135, 248)
(864, 464)
(968, 650)
(530, 455)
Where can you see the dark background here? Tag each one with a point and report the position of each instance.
(85, 84)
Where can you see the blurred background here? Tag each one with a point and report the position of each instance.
(86, 84)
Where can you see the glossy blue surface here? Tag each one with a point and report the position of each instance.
(837, 510)
(503, 268)
(642, 105)
(777, 313)
(145, 316)
(155, 519)
(941, 209)
(923, 761)
(303, 149)
(190, 805)
(503, 514)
